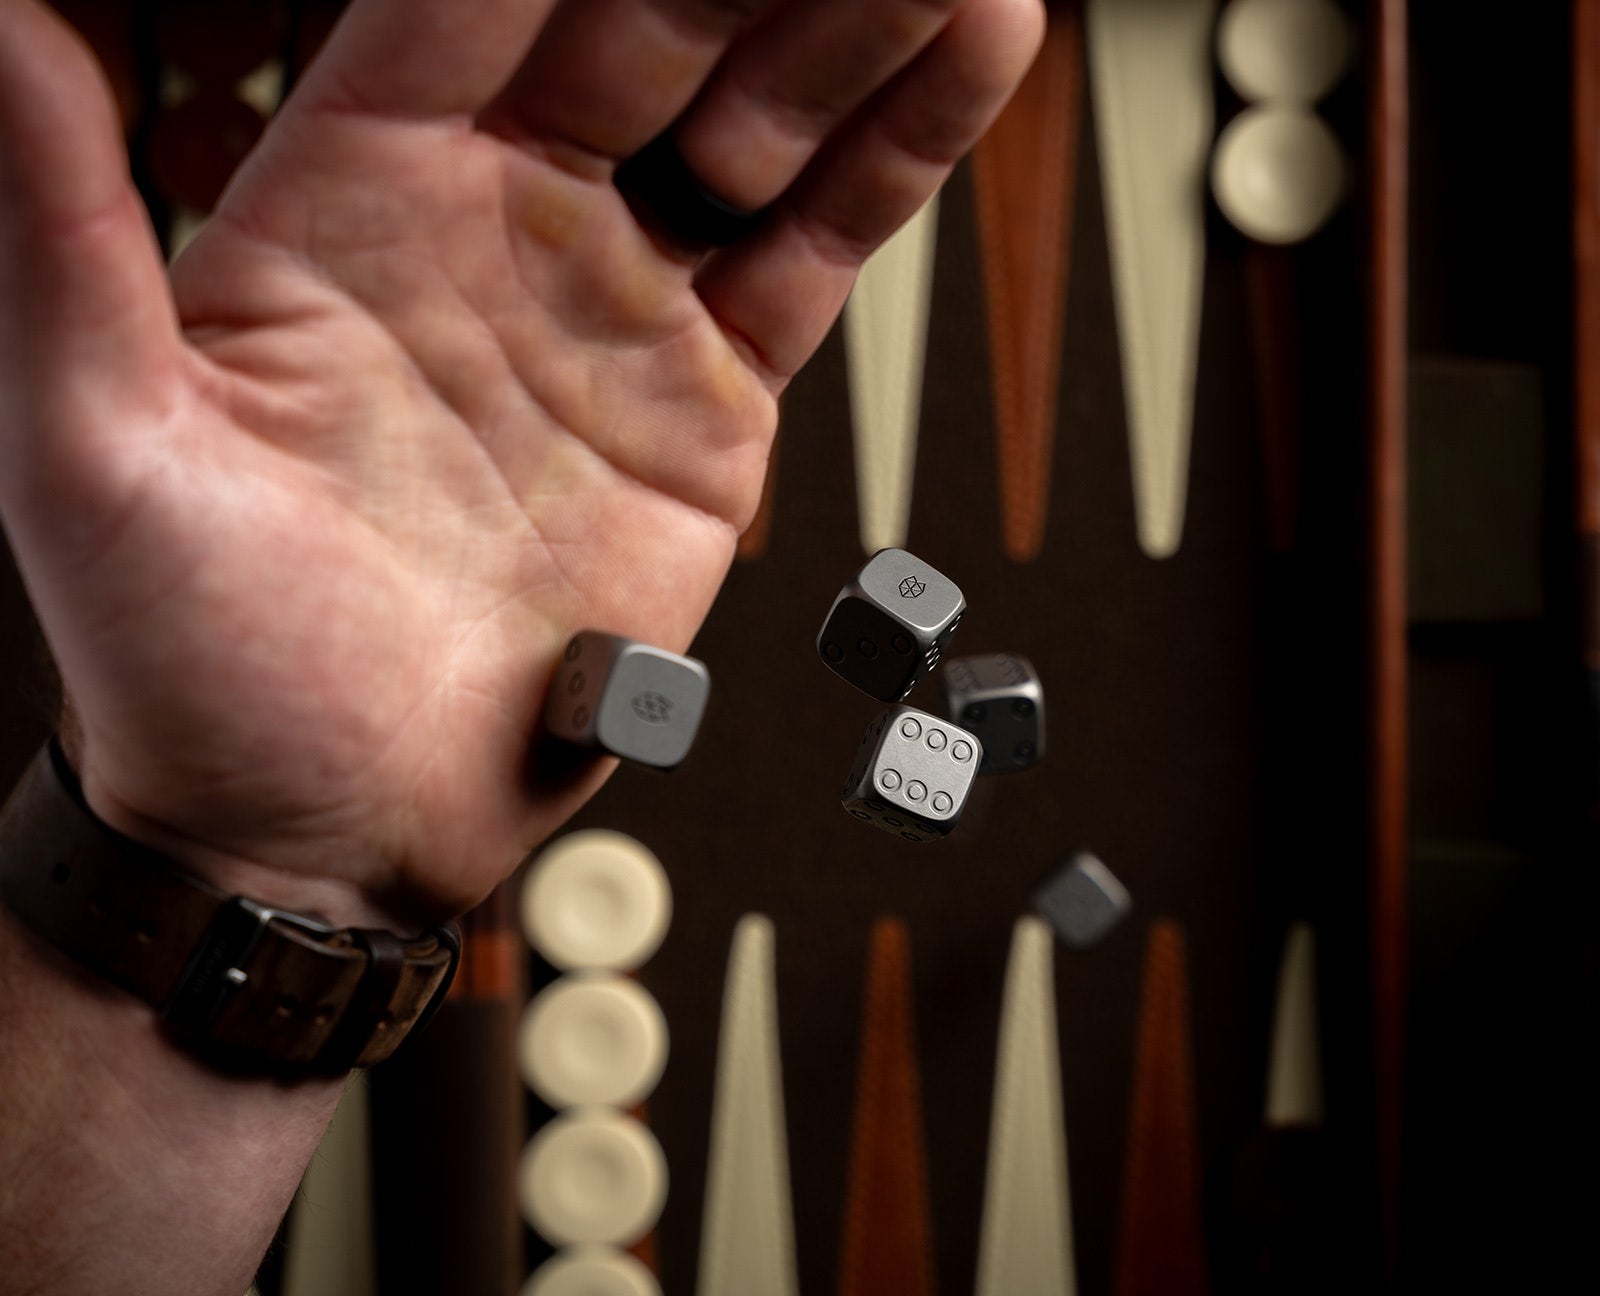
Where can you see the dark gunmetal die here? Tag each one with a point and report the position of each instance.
(998, 696)
(1083, 901)
(889, 625)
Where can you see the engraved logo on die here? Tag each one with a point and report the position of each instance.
(911, 587)
(652, 708)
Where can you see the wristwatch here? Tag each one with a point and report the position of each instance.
(248, 986)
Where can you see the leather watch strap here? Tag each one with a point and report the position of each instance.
(247, 985)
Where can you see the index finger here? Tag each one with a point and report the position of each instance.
(778, 291)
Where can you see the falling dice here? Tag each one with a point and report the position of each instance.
(1083, 901)
(640, 703)
(889, 626)
(998, 697)
(912, 774)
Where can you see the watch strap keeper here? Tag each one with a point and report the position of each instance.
(246, 985)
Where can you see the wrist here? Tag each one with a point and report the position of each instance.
(247, 981)
(108, 1125)
(337, 901)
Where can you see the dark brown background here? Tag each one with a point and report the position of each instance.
(1207, 728)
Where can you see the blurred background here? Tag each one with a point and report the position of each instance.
(1243, 381)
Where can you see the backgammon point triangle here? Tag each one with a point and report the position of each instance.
(747, 1234)
(1025, 1241)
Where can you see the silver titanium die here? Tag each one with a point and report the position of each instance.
(1083, 901)
(912, 774)
(998, 696)
(889, 625)
(636, 702)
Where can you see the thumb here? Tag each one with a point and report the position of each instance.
(89, 340)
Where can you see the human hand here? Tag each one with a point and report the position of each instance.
(307, 521)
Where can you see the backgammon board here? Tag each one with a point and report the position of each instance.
(1211, 705)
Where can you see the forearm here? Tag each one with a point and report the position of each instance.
(127, 1165)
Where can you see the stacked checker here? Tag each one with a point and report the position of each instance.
(592, 1045)
(1278, 170)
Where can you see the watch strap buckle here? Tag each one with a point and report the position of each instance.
(249, 986)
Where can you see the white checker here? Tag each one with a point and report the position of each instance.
(1291, 51)
(592, 1037)
(592, 1271)
(592, 1175)
(596, 899)
(1278, 173)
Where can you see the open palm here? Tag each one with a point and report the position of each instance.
(308, 520)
